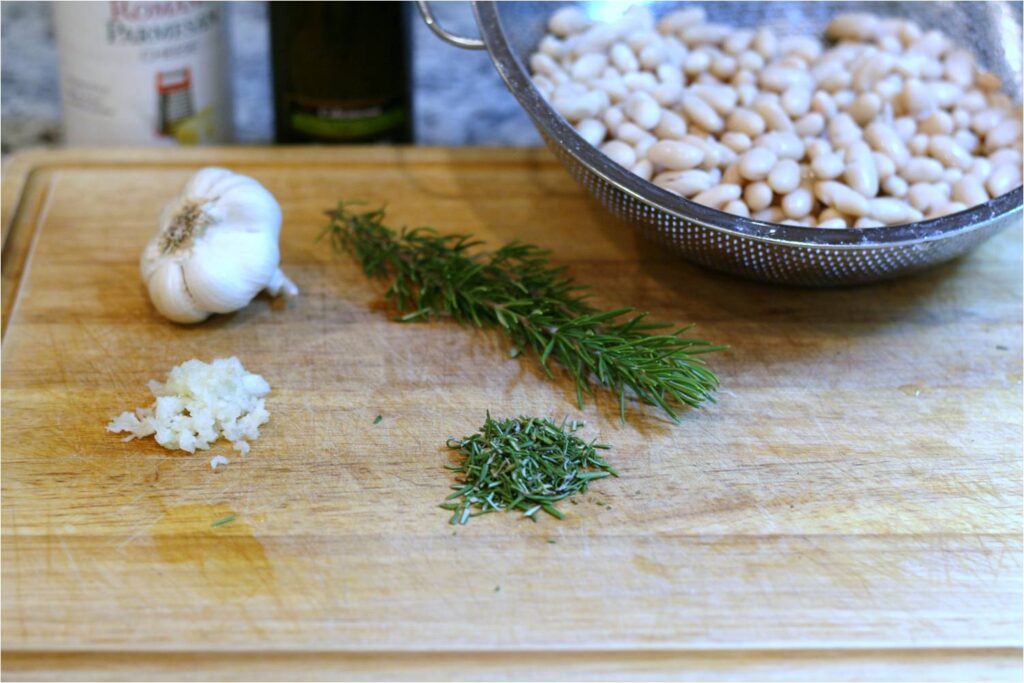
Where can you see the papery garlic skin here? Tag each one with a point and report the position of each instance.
(216, 248)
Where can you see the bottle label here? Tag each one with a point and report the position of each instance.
(143, 72)
(345, 122)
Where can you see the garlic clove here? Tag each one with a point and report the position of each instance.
(228, 270)
(170, 296)
(280, 284)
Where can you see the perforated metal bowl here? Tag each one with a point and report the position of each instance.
(510, 32)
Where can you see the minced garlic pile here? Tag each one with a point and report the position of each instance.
(198, 404)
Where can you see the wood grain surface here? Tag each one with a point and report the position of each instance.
(849, 509)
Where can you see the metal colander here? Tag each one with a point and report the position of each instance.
(510, 32)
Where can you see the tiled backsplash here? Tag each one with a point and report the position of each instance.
(459, 98)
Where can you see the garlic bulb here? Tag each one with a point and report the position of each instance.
(216, 248)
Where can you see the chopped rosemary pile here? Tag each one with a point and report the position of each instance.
(522, 463)
(517, 290)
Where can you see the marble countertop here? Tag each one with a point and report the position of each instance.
(459, 98)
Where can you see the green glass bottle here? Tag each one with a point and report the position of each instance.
(341, 72)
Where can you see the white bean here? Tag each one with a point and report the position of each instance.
(669, 73)
(892, 211)
(686, 183)
(623, 58)
(746, 121)
(833, 223)
(980, 169)
(830, 214)
(924, 196)
(917, 98)
(959, 68)
(676, 21)
(1004, 133)
(758, 195)
(937, 123)
(827, 166)
(620, 153)
(643, 144)
(667, 94)
(796, 100)
(750, 61)
(922, 169)
(737, 142)
(1005, 156)
(852, 26)
(568, 20)
(967, 140)
(630, 133)
(774, 115)
(738, 41)
(860, 173)
(798, 203)
(675, 155)
(696, 62)
(946, 150)
(951, 175)
(785, 145)
(757, 163)
(718, 195)
(887, 141)
(811, 125)
(905, 127)
(613, 118)
(671, 126)
(723, 67)
(544, 85)
(580, 107)
(701, 34)
(970, 191)
(640, 81)
(843, 131)
(588, 66)
(721, 98)
(552, 46)
(866, 222)
(701, 113)
(884, 165)
(643, 110)
(1002, 179)
(543, 64)
(841, 197)
(784, 177)
(986, 119)
(712, 155)
(765, 42)
(643, 168)
(895, 186)
(772, 214)
(732, 175)
(737, 207)
(865, 108)
(946, 209)
(592, 130)
(816, 147)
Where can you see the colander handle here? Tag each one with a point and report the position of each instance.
(450, 38)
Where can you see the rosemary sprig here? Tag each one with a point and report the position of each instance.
(523, 463)
(516, 289)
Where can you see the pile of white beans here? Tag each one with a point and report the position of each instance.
(887, 124)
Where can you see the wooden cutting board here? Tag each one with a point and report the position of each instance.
(849, 509)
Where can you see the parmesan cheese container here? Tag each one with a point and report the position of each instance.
(143, 73)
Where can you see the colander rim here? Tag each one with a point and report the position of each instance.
(554, 127)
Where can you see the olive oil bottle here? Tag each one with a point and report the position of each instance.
(341, 72)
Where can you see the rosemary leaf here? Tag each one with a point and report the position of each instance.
(516, 289)
(523, 463)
